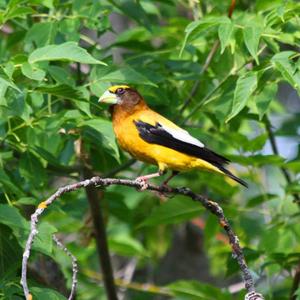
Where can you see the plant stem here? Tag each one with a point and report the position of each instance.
(275, 150)
(208, 60)
(94, 197)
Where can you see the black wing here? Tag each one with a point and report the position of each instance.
(158, 135)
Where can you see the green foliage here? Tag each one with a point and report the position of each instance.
(53, 70)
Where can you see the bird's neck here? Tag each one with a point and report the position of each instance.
(120, 112)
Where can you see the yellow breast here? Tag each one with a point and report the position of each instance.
(129, 140)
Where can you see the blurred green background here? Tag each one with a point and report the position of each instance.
(231, 82)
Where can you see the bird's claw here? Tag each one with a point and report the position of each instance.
(142, 182)
(254, 296)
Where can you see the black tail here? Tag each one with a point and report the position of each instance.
(229, 174)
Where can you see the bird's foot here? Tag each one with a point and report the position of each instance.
(143, 182)
(254, 296)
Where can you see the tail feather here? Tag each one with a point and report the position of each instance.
(230, 175)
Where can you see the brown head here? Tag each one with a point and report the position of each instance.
(123, 97)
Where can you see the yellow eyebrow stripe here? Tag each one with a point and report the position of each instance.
(113, 88)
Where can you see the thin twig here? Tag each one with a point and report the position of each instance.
(207, 99)
(128, 273)
(136, 286)
(208, 60)
(213, 207)
(74, 265)
(231, 8)
(295, 285)
(197, 82)
(275, 150)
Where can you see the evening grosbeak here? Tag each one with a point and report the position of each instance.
(153, 139)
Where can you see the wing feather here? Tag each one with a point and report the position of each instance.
(179, 140)
(182, 135)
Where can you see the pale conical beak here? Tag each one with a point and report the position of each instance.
(108, 98)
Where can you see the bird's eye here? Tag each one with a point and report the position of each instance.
(120, 91)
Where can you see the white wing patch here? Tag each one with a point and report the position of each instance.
(182, 135)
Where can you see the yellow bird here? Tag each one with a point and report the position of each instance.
(151, 138)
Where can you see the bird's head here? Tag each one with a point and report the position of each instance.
(122, 95)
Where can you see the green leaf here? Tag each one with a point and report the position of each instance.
(11, 217)
(172, 212)
(68, 51)
(9, 83)
(126, 246)
(32, 170)
(41, 33)
(10, 253)
(258, 160)
(257, 200)
(277, 239)
(71, 29)
(62, 91)
(127, 75)
(294, 166)
(17, 12)
(254, 144)
(3, 89)
(119, 208)
(36, 99)
(225, 32)
(252, 36)
(43, 241)
(50, 158)
(245, 86)
(20, 107)
(133, 10)
(32, 72)
(8, 184)
(61, 76)
(27, 201)
(287, 69)
(264, 98)
(46, 294)
(9, 69)
(293, 188)
(194, 290)
(104, 129)
(194, 29)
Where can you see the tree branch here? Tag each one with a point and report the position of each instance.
(231, 8)
(94, 197)
(74, 265)
(213, 207)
